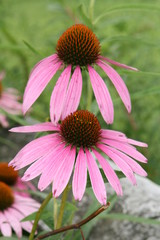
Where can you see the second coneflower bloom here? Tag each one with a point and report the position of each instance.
(78, 48)
(76, 143)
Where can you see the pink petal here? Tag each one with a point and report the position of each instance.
(137, 143)
(80, 176)
(53, 163)
(63, 173)
(118, 83)
(109, 172)
(73, 93)
(6, 229)
(115, 135)
(59, 94)
(96, 179)
(102, 95)
(126, 148)
(27, 226)
(15, 224)
(39, 78)
(125, 168)
(3, 121)
(118, 64)
(39, 127)
(133, 164)
(33, 151)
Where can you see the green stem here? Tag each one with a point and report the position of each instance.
(90, 94)
(38, 215)
(55, 206)
(91, 9)
(62, 207)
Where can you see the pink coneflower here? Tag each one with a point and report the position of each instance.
(8, 102)
(11, 177)
(54, 156)
(13, 208)
(78, 48)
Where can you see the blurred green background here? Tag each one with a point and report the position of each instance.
(129, 32)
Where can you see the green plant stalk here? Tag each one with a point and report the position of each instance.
(55, 207)
(38, 215)
(91, 9)
(62, 207)
(90, 94)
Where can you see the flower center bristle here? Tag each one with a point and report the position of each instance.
(81, 129)
(6, 196)
(78, 45)
(7, 174)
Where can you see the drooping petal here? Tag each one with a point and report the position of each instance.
(58, 95)
(39, 127)
(33, 151)
(64, 172)
(118, 83)
(12, 220)
(73, 93)
(80, 176)
(6, 229)
(118, 64)
(126, 148)
(109, 172)
(137, 143)
(125, 168)
(51, 168)
(96, 178)
(39, 78)
(115, 135)
(25, 225)
(102, 95)
(133, 164)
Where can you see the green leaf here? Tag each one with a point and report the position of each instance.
(82, 12)
(119, 174)
(131, 218)
(31, 48)
(128, 7)
(38, 194)
(30, 217)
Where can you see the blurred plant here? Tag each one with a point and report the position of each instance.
(15, 204)
(8, 102)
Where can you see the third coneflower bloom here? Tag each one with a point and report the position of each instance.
(78, 48)
(76, 143)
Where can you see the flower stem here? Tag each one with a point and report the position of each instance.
(55, 206)
(90, 93)
(62, 207)
(38, 215)
(91, 9)
(76, 225)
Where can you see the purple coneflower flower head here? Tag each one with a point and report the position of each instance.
(78, 48)
(11, 177)
(75, 145)
(8, 102)
(13, 208)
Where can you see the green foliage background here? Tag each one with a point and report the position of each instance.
(129, 33)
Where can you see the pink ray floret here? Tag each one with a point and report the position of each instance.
(8, 103)
(54, 160)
